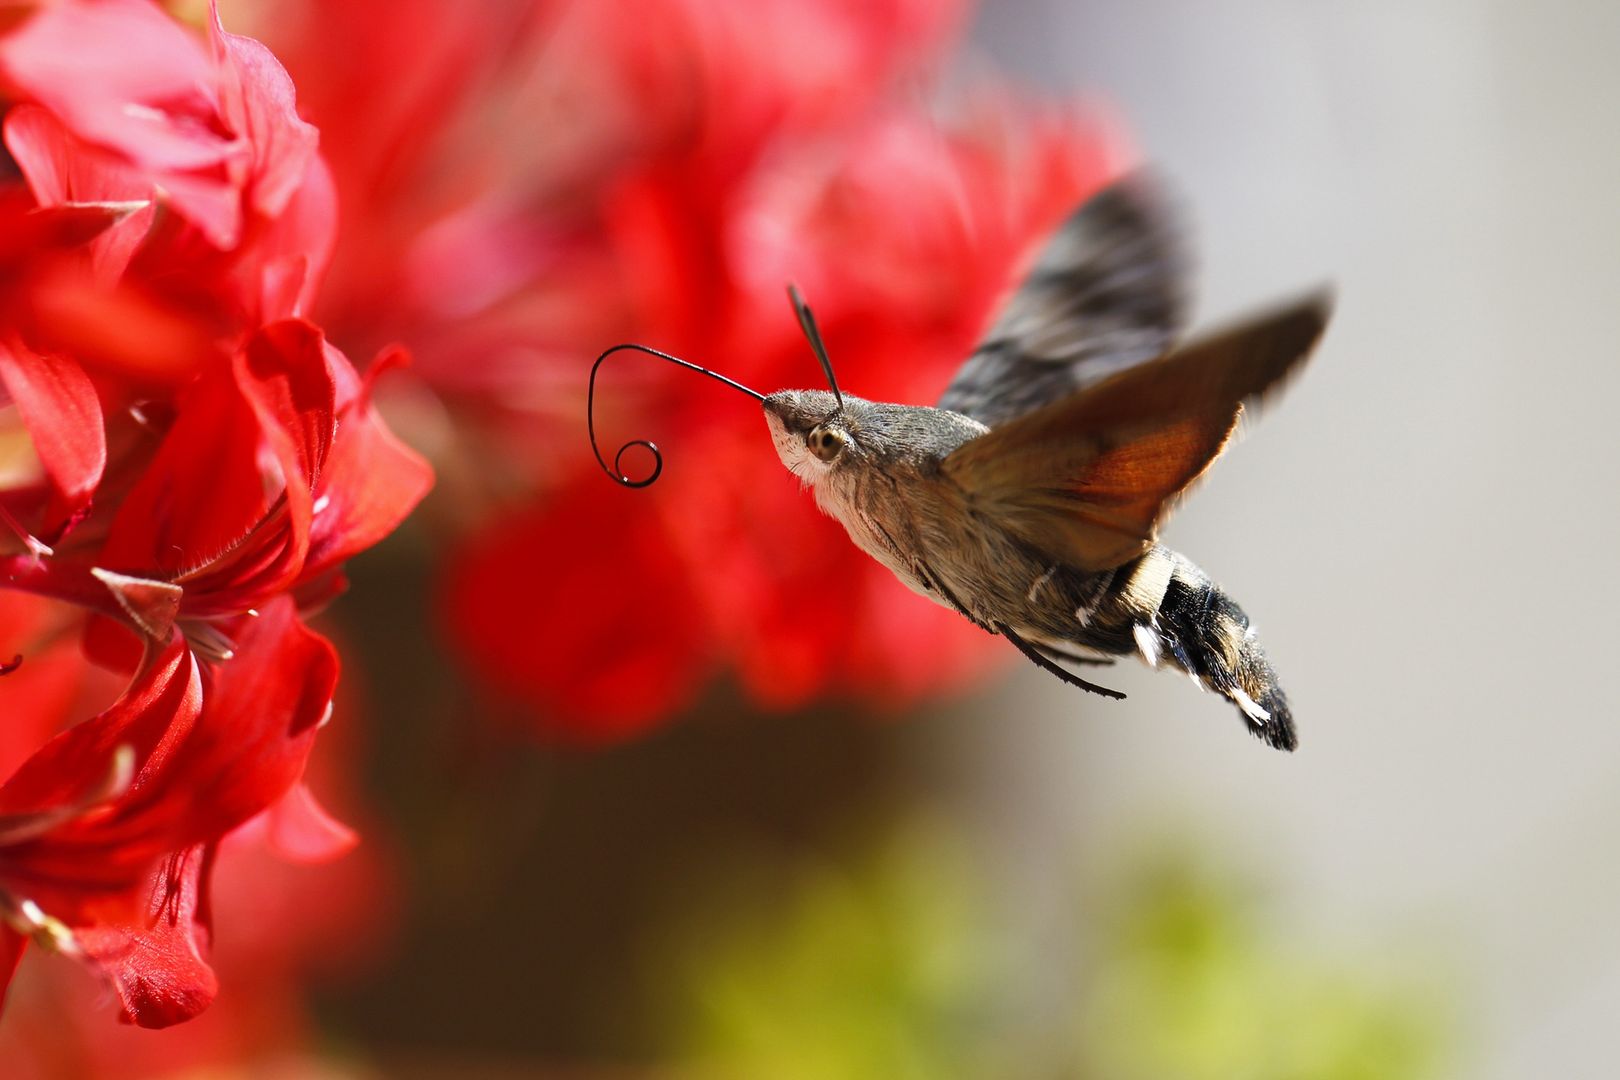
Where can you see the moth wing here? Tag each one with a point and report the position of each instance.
(1105, 293)
(1088, 479)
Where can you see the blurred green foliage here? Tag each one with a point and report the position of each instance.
(893, 963)
(1193, 983)
(874, 969)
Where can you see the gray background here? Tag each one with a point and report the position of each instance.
(1424, 529)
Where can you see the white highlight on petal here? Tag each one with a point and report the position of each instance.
(120, 773)
(1249, 705)
(1147, 639)
(121, 207)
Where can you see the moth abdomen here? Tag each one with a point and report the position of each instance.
(1178, 616)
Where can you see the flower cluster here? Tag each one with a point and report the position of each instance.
(659, 179)
(187, 463)
(186, 460)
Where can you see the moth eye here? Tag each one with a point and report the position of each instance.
(825, 443)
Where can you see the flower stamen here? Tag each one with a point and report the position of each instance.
(29, 919)
(207, 641)
(38, 547)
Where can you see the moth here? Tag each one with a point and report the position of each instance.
(1030, 497)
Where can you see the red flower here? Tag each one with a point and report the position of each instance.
(207, 462)
(278, 924)
(518, 119)
(214, 128)
(206, 132)
(178, 767)
(202, 515)
(201, 538)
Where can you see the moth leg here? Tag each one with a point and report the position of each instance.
(1040, 660)
(1076, 658)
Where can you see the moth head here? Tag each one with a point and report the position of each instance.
(813, 435)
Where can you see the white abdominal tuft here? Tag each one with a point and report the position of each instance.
(1249, 705)
(1147, 639)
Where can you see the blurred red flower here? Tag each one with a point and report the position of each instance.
(203, 462)
(555, 178)
(278, 925)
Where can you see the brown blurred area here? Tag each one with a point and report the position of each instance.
(538, 878)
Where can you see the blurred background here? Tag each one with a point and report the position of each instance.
(627, 809)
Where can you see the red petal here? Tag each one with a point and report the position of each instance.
(259, 723)
(48, 690)
(29, 230)
(94, 858)
(191, 515)
(69, 224)
(154, 717)
(204, 491)
(60, 408)
(283, 372)
(257, 100)
(61, 168)
(87, 62)
(156, 965)
(123, 75)
(288, 259)
(373, 481)
(111, 644)
(300, 829)
(128, 332)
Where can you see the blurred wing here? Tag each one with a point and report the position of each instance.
(1104, 295)
(1088, 478)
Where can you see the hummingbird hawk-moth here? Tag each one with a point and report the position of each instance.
(1029, 499)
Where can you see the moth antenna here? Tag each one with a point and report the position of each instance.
(615, 471)
(807, 322)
